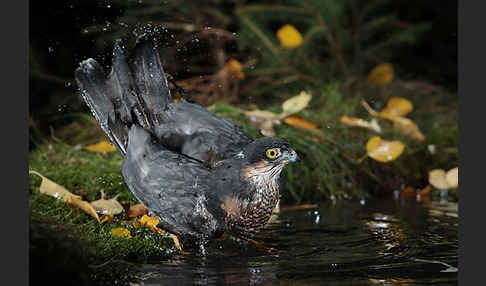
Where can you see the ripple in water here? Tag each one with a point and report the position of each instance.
(385, 242)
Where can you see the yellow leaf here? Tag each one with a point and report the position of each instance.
(452, 177)
(296, 103)
(50, 188)
(102, 147)
(121, 232)
(381, 75)
(86, 207)
(354, 121)
(149, 221)
(289, 36)
(382, 150)
(107, 207)
(300, 122)
(405, 126)
(397, 106)
(234, 67)
(402, 124)
(437, 178)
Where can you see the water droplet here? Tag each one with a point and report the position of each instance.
(362, 202)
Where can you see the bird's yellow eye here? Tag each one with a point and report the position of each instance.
(272, 153)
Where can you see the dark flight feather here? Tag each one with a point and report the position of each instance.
(200, 174)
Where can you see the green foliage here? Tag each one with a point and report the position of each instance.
(341, 39)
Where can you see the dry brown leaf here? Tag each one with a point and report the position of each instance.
(102, 147)
(120, 232)
(296, 103)
(381, 75)
(358, 122)
(107, 207)
(234, 67)
(300, 122)
(50, 188)
(149, 221)
(452, 177)
(382, 150)
(137, 210)
(397, 106)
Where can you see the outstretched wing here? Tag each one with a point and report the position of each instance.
(171, 185)
(136, 92)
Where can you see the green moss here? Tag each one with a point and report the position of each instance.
(68, 237)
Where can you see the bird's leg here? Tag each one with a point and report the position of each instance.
(174, 238)
(269, 250)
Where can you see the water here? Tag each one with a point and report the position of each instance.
(383, 242)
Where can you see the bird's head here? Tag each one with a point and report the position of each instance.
(270, 151)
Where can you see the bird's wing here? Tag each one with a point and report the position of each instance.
(136, 92)
(171, 185)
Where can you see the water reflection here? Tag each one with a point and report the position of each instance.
(387, 242)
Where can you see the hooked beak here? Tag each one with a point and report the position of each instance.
(293, 157)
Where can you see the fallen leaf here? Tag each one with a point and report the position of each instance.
(149, 221)
(120, 232)
(289, 36)
(234, 67)
(263, 120)
(381, 75)
(137, 210)
(437, 178)
(86, 207)
(358, 122)
(409, 193)
(102, 147)
(50, 188)
(402, 124)
(300, 122)
(425, 191)
(443, 180)
(107, 207)
(397, 106)
(452, 177)
(296, 103)
(382, 150)
(405, 126)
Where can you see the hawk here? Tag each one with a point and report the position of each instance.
(201, 174)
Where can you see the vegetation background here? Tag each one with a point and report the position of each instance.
(341, 42)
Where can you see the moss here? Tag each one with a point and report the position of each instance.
(63, 236)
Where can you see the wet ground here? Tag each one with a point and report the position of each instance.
(378, 242)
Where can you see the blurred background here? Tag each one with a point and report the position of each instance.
(365, 92)
(253, 55)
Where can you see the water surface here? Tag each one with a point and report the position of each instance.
(380, 242)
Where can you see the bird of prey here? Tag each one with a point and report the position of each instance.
(201, 174)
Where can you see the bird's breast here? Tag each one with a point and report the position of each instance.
(246, 216)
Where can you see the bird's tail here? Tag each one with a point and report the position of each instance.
(134, 92)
